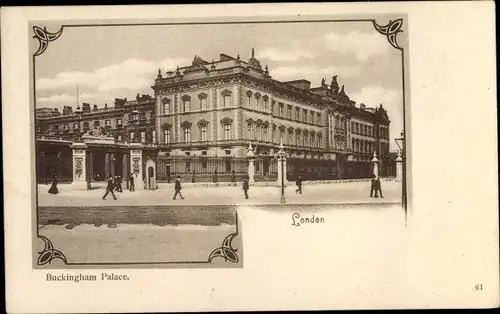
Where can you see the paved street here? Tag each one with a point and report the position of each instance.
(339, 193)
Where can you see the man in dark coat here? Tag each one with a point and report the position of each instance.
(110, 188)
(178, 188)
(298, 182)
(118, 184)
(376, 187)
(131, 181)
(245, 187)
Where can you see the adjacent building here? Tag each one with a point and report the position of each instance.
(204, 115)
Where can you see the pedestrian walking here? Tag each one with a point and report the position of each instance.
(233, 177)
(131, 181)
(118, 184)
(178, 188)
(298, 182)
(110, 188)
(53, 188)
(376, 187)
(215, 178)
(245, 187)
(193, 177)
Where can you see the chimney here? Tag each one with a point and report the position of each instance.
(85, 107)
(362, 106)
(95, 107)
(105, 106)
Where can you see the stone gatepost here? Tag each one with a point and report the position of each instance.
(251, 164)
(375, 164)
(79, 166)
(136, 165)
(399, 168)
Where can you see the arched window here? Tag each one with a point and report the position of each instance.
(166, 136)
(186, 103)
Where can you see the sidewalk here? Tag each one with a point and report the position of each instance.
(345, 193)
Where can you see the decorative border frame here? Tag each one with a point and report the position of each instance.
(226, 251)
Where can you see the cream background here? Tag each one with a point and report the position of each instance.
(363, 259)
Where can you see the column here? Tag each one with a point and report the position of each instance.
(90, 173)
(136, 165)
(375, 164)
(112, 164)
(79, 166)
(106, 165)
(251, 165)
(399, 168)
(126, 172)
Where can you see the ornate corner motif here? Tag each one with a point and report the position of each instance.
(44, 37)
(391, 30)
(226, 250)
(49, 253)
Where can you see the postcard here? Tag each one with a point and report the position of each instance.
(230, 157)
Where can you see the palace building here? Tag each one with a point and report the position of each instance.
(204, 116)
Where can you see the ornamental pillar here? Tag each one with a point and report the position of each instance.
(136, 165)
(251, 164)
(79, 166)
(399, 168)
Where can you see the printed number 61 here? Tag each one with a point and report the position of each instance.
(478, 287)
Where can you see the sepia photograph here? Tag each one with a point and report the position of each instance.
(150, 135)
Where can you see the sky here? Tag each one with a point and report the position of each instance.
(121, 61)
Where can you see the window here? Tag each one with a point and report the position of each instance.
(272, 108)
(203, 103)
(297, 114)
(166, 136)
(132, 136)
(265, 134)
(97, 123)
(273, 135)
(318, 118)
(249, 96)
(153, 136)
(166, 106)
(320, 139)
(258, 133)
(203, 130)
(187, 134)
(119, 138)
(312, 117)
(281, 110)
(281, 135)
(187, 105)
(66, 127)
(85, 125)
(289, 112)
(254, 134)
(227, 101)
(75, 126)
(290, 140)
(227, 131)
(304, 115)
(352, 126)
(249, 130)
(143, 137)
(119, 121)
(297, 139)
(266, 103)
(107, 123)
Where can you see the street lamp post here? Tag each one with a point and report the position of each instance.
(281, 156)
(401, 145)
